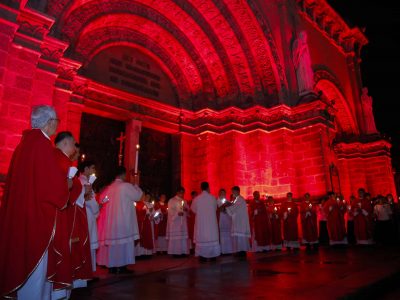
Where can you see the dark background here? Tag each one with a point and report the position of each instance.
(380, 64)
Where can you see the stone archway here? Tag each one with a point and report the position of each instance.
(328, 85)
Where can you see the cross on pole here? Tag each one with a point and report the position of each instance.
(121, 140)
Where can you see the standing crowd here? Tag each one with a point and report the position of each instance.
(55, 230)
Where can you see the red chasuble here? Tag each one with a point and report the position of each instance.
(362, 223)
(274, 216)
(290, 227)
(335, 219)
(36, 188)
(59, 263)
(161, 228)
(260, 223)
(309, 222)
(81, 261)
(146, 238)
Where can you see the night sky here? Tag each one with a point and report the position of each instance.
(380, 65)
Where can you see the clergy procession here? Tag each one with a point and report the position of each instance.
(55, 230)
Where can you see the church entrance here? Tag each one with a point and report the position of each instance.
(159, 156)
(98, 141)
(159, 162)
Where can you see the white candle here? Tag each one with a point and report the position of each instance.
(137, 158)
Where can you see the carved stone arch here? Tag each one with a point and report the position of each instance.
(89, 46)
(219, 77)
(266, 29)
(327, 84)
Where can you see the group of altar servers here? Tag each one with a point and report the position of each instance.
(54, 229)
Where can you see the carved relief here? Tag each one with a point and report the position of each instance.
(36, 31)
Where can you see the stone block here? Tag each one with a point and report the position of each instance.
(15, 95)
(24, 83)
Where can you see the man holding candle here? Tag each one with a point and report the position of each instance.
(118, 226)
(308, 216)
(36, 190)
(241, 233)
(335, 209)
(177, 227)
(87, 177)
(60, 258)
(363, 218)
(206, 234)
(260, 225)
(275, 223)
(290, 212)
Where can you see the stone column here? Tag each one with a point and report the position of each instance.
(133, 128)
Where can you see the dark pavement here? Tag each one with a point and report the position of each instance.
(330, 273)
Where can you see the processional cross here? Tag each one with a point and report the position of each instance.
(121, 140)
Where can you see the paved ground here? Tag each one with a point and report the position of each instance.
(340, 273)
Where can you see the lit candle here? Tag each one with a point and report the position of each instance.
(289, 209)
(137, 158)
(182, 202)
(310, 205)
(275, 209)
(134, 203)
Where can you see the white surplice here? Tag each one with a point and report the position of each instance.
(118, 226)
(206, 234)
(177, 228)
(92, 212)
(240, 225)
(225, 229)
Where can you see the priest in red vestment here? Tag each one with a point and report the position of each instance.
(308, 217)
(59, 263)
(335, 209)
(144, 212)
(259, 224)
(81, 262)
(290, 212)
(160, 227)
(36, 190)
(363, 218)
(274, 216)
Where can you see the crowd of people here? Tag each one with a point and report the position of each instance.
(55, 230)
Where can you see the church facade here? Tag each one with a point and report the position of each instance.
(266, 95)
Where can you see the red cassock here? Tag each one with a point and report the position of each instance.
(259, 223)
(362, 223)
(309, 222)
(81, 262)
(290, 227)
(36, 188)
(161, 228)
(59, 261)
(146, 236)
(335, 219)
(275, 223)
